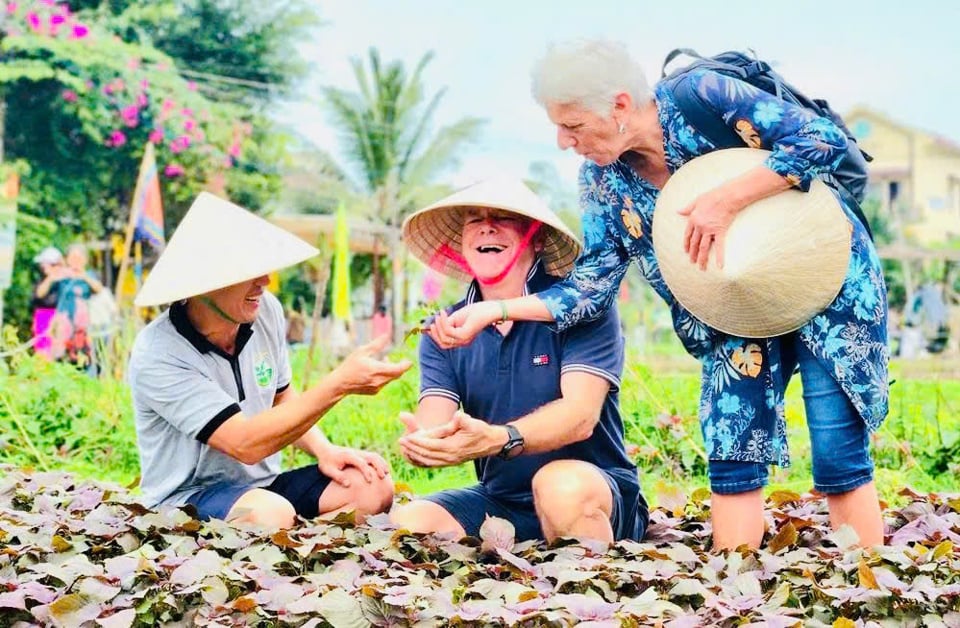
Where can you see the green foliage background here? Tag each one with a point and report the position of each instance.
(54, 418)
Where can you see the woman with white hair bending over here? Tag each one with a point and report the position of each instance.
(634, 138)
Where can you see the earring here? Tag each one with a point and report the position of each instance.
(621, 128)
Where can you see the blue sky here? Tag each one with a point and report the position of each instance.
(900, 58)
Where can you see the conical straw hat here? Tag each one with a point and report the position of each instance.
(428, 230)
(216, 245)
(785, 257)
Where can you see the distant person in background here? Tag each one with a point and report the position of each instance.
(296, 327)
(382, 322)
(69, 329)
(50, 261)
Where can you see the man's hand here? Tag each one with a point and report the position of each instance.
(461, 327)
(412, 427)
(334, 460)
(362, 372)
(462, 438)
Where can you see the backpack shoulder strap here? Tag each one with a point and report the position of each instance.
(676, 52)
(703, 119)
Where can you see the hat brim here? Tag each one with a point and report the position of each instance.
(785, 257)
(428, 231)
(219, 244)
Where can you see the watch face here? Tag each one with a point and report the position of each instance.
(514, 446)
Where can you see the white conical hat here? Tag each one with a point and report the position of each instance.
(218, 244)
(785, 257)
(441, 223)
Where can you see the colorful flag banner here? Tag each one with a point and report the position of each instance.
(147, 204)
(341, 266)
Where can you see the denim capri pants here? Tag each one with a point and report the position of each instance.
(839, 438)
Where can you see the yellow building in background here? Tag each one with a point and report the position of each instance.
(915, 175)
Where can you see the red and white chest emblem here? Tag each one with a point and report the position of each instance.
(541, 360)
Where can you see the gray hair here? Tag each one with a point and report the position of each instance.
(77, 247)
(588, 73)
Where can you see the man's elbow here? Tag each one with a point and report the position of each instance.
(588, 419)
(247, 453)
(249, 456)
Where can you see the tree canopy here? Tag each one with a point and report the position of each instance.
(86, 85)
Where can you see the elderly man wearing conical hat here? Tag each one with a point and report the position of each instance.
(210, 379)
(540, 416)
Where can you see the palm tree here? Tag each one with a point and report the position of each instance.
(392, 157)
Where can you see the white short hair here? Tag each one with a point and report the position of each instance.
(588, 73)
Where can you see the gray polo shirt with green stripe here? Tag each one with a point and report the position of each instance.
(184, 388)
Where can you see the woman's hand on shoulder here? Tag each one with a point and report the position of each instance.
(461, 327)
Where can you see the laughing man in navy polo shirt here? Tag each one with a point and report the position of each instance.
(537, 411)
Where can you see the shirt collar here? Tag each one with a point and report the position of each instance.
(181, 322)
(536, 277)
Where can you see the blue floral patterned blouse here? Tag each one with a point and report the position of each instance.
(742, 388)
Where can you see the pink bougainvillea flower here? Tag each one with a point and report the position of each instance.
(144, 84)
(189, 124)
(168, 105)
(34, 21)
(49, 3)
(11, 8)
(156, 136)
(234, 150)
(180, 144)
(69, 95)
(187, 112)
(57, 19)
(130, 115)
(192, 86)
(117, 138)
(142, 100)
(173, 170)
(79, 31)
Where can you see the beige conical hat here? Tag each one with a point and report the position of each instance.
(218, 244)
(426, 231)
(785, 257)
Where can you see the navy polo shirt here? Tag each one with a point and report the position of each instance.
(500, 378)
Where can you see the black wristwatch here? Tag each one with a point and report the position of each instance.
(514, 445)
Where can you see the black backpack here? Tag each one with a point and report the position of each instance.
(850, 177)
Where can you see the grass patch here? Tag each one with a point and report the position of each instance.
(54, 418)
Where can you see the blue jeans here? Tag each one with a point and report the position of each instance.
(839, 440)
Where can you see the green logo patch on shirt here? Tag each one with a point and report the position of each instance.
(264, 373)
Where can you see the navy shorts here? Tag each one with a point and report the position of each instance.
(471, 505)
(301, 487)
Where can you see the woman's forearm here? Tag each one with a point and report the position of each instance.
(528, 308)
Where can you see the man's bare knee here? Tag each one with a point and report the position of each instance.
(365, 498)
(262, 508)
(568, 491)
(424, 516)
(375, 497)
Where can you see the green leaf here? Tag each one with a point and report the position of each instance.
(341, 609)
